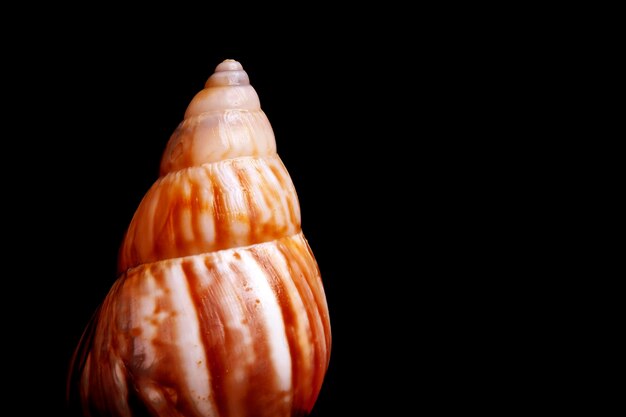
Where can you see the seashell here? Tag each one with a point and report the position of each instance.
(219, 309)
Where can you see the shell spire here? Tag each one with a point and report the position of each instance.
(225, 199)
(219, 309)
(223, 121)
(228, 88)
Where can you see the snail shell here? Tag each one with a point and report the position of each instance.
(219, 309)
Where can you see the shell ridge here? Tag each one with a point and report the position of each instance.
(218, 251)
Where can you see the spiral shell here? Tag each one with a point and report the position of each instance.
(219, 309)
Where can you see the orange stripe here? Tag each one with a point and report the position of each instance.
(261, 397)
(250, 206)
(299, 379)
(212, 331)
(300, 275)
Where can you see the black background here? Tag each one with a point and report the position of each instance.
(373, 128)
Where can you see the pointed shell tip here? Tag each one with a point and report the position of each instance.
(229, 65)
